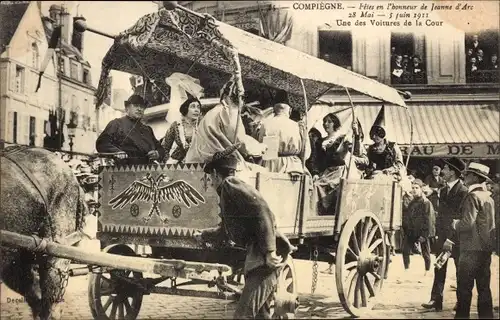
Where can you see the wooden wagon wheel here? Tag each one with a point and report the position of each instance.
(285, 299)
(360, 262)
(112, 298)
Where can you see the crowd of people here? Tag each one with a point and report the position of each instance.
(407, 69)
(479, 66)
(454, 213)
(440, 213)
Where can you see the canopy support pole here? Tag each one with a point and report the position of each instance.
(306, 133)
(353, 135)
(411, 137)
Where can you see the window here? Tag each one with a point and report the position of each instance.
(19, 79)
(86, 77)
(32, 132)
(62, 65)
(336, 47)
(14, 128)
(74, 71)
(407, 59)
(481, 64)
(34, 58)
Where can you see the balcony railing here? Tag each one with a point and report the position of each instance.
(483, 76)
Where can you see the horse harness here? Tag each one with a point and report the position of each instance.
(71, 239)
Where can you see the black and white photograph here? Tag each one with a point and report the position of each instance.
(249, 159)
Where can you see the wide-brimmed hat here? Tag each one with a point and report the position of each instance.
(478, 169)
(136, 100)
(223, 159)
(456, 164)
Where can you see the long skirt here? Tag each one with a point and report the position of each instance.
(326, 189)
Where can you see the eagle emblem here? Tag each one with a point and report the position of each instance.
(148, 189)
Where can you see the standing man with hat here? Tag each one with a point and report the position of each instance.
(129, 138)
(475, 230)
(450, 198)
(248, 222)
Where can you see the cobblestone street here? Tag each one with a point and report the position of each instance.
(402, 295)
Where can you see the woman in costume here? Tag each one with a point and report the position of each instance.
(384, 156)
(330, 154)
(183, 121)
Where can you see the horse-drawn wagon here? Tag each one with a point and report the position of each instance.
(163, 205)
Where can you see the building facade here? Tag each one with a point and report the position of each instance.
(25, 113)
(452, 74)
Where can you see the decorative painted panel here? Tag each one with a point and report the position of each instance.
(170, 200)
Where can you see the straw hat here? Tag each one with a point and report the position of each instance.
(479, 169)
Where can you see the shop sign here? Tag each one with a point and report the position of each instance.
(473, 150)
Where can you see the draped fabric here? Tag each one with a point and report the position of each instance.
(276, 25)
(136, 50)
(166, 41)
(216, 132)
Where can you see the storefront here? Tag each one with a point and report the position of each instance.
(469, 131)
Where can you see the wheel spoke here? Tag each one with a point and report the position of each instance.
(121, 311)
(355, 242)
(108, 303)
(372, 234)
(376, 275)
(367, 226)
(353, 281)
(356, 293)
(128, 307)
(363, 292)
(375, 244)
(112, 316)
(350, 265)
(369, 286)
(349, 250)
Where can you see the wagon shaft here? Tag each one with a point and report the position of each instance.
(163, 267)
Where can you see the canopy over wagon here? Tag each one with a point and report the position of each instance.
(169, 41)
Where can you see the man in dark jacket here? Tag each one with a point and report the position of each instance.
(450, 198)
(129, 138)
(419, 225)
(475, 229)
(248, 222)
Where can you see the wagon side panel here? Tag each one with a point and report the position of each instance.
(127, 198)
(283, 197)
(376, 197)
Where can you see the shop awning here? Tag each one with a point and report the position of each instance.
(444, 130)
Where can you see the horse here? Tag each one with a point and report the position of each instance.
(40, 196)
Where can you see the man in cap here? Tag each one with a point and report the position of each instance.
(129, 138)
(247, 221)
(418, 225)
(475, 230)
(450, 198)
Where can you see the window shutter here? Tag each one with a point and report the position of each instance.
(26, 129)
(12, 77)
(10, 127)
(40, 129)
